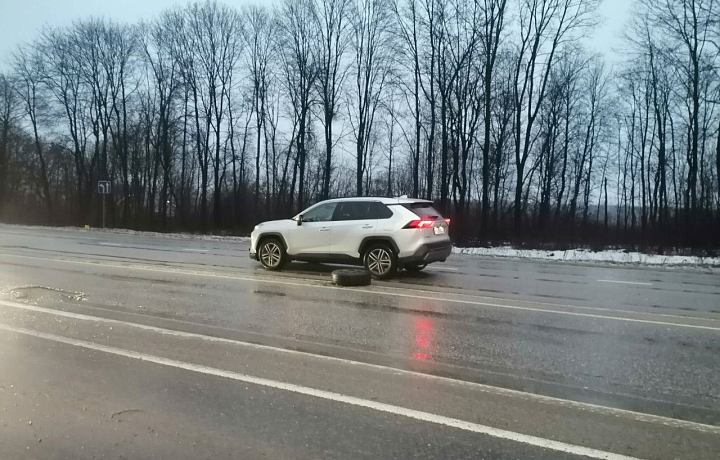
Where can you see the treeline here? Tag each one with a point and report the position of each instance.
(213, 118)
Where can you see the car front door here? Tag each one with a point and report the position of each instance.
(352, 222)
(312, 236)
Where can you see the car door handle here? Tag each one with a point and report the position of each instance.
(325, 229)
(367, 226)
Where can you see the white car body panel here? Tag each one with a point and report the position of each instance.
(346, 235)
(309, 238)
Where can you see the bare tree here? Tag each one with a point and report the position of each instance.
(463, 107)
(332, 18)
(298, 31)
(165, 76)
(493, 22)
(90, 42)
(372, 64)
(8, 117)
(119, 59)
(570, 71)
(29, 73)
(408, 24)
(63, 78)
(595, 87)
(432, 12)
(689, 23)
(260, 48)
(545, 26)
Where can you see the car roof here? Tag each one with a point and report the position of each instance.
(385, 200)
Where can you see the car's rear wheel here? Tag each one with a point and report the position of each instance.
(380, 260)
(272, 254)
(415, 267)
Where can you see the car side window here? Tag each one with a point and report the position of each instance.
(353, 210)
(322, 213)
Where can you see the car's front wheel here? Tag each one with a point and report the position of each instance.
(271, 254)
(380, 260)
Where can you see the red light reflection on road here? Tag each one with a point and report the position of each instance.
(424, 338)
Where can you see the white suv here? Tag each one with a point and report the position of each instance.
(383, 234)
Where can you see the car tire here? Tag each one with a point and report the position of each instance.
(351, 277)
(415, 267)
(380, 260)
(271, 254)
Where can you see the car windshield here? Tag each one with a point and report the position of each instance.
(360, 229)
(321, 213)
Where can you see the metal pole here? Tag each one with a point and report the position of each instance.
(103, 200)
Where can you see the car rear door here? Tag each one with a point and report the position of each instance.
(352, 222)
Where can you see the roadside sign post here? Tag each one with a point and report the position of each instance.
(103, 189)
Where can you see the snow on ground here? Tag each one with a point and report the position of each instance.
(585, 255)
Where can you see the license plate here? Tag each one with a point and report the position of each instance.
(439, 230)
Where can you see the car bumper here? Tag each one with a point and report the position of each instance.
(253, 255)
(428, 253)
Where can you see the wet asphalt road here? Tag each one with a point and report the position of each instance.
(137, 346)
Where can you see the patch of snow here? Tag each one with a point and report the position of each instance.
(585, 255)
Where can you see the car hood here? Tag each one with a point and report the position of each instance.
(276, 225)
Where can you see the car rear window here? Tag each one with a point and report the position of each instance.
(423, 210)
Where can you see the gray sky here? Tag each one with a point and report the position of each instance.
(20, 20)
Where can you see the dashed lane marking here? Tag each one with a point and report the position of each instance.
(625, 282)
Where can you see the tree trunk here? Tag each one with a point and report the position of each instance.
(486, 154)
(43, 168)
(5, 156)
(717, 172)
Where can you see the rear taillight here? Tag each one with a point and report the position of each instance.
(447, 221)
(420, 223)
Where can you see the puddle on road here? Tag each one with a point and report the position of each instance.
(41, 293)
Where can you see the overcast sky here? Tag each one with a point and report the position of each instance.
(21, 19)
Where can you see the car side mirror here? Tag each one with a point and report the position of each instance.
(299, 220)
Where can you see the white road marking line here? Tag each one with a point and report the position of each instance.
(449, 269)
(336, 397)
(564, 305)
(625, 282)
(195, 250)
(170, 270)
(638, 416)
(541, 310)
(117, 245)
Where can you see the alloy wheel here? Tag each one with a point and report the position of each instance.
(379, 261)
(270, 255)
